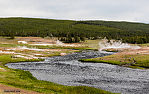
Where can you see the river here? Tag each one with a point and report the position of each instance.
(67, 70)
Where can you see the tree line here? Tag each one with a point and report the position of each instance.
(74, 31)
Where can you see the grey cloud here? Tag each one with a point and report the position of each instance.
(125, 10)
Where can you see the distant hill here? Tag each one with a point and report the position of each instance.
(75, 31)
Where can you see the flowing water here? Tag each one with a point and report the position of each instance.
(67, 70)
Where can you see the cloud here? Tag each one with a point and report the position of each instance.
(121, 10)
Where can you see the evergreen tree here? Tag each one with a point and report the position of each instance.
(76, 39)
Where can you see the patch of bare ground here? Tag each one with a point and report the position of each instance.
(142, 50)
(2, 69)
(37, 40)
(4, 89)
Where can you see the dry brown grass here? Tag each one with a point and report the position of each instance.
(4, 89)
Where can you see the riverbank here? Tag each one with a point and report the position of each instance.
(25, 80)
(11, 52)
(133, 58)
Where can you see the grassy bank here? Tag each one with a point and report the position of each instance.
(60, 47)
(47, 47)
(25, 80)
(92, 43)
(133, 61)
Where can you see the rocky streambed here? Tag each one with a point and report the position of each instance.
(67, 70)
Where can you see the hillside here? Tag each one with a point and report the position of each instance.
(75, 31)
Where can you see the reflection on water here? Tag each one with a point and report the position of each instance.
(67, 70)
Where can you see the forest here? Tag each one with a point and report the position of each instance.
(75, 31)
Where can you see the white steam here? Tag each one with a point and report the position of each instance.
(59, 43)
(115, 44)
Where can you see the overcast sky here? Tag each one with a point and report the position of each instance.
(119, 10)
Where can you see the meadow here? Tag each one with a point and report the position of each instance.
(128, 58)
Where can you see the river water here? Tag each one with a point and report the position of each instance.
(67, 70)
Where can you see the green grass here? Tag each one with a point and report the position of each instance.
(25, 80)
(88, 45)
(133, 61)
(8, 45)
(102, 61)
(13, 45)
(142, 45)
(47, 47)
(60, 47)
(92, 43)
(111, 50)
